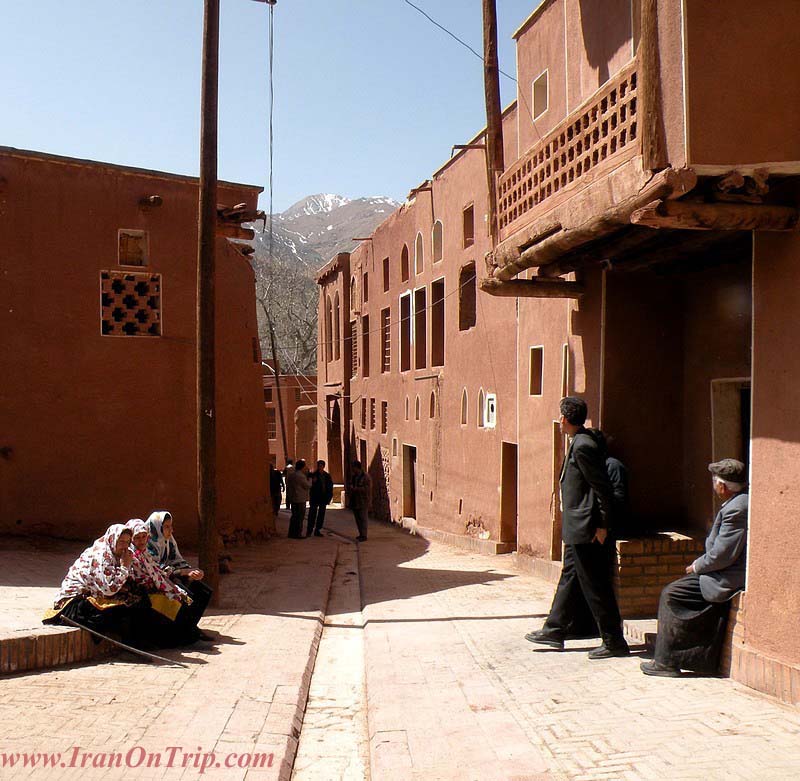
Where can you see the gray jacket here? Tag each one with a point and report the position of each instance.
(722, 567)
(298, 487)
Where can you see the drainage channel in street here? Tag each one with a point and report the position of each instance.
(334, 740)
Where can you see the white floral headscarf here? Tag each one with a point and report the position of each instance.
(98, 571)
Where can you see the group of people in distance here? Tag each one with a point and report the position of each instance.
(693, 610)
(315, 489)
(133, 586)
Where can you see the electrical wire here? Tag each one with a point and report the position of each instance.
(480, 57)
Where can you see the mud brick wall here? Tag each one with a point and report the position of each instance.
(645, 566)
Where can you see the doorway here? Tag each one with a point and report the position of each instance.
(409, 481)
(508, 492)
(336, 465)
(559, 453)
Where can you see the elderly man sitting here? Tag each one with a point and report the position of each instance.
(693, 611)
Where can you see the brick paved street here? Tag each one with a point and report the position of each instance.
(240, 696)
(452, 689)
(453, 684)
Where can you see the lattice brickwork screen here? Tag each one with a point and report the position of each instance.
(601, 129)
(130, 303)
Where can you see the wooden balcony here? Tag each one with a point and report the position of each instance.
(592, 141)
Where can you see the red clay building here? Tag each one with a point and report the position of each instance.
(648, 261)
(98, 313)
(298, 409)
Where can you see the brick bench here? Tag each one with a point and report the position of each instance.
(645, 566)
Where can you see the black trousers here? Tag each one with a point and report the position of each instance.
(316, 517)
(690, 630)
(586, 575)
(296, 520)
(362, 520)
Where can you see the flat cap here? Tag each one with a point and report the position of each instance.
(729, 469)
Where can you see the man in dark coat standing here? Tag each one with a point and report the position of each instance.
(586, 500)
(320, 497)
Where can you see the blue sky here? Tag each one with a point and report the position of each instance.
(369, 95)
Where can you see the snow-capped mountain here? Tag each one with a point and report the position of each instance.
(314, 229)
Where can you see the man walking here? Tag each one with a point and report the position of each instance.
(586, 498)
(359, 499)
(321, 496)
(298, 487)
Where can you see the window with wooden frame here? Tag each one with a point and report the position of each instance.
(420, 328)
(384, 417)
(386, 341)
(437, 322)
(386, 279)
(419, 255)
(353, 348)
(133, 247)
(405, 273)
(405, 332)
(372, 414)
(365, 346)
(272, 423)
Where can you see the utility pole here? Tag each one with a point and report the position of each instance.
(206, 270)
(278, 386)
(494, 115)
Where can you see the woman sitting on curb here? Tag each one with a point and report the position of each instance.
(163, 548)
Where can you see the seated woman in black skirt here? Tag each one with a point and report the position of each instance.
(95, 592)
(163, 548)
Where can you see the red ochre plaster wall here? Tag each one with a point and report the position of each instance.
(101, 429)
(773, 579)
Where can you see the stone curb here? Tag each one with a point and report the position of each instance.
(293, 736)
(48, 647)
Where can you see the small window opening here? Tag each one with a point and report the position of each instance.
(467, 297)
(437, 323)
(405, 332)
(416, 409)
(132, 247)
(404, 270)
(469, 226)
(420, 328)
(432, 411)
(540, 95)
(385, 275)
(384, 417)
(481, 409)
(438, 241)
(536, 371)
(419, 255)
(464, 408)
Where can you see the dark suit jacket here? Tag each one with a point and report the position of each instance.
(321, 487)
(722, 567)
(585, 491)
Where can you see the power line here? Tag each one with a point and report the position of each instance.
(480, 57)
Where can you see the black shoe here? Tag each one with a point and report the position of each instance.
(609, 651)
(318, 534)
(543, 638)
(661, 670)
(361, 538)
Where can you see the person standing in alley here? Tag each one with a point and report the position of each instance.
(586, 499)
(298, 486)
(321, 496)
(358, 493)
(287, 470)
(276, 485)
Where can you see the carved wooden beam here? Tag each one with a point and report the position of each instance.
(690, 215)
(670, 183)
(235, 232)
(532, 288)
(608, 250)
